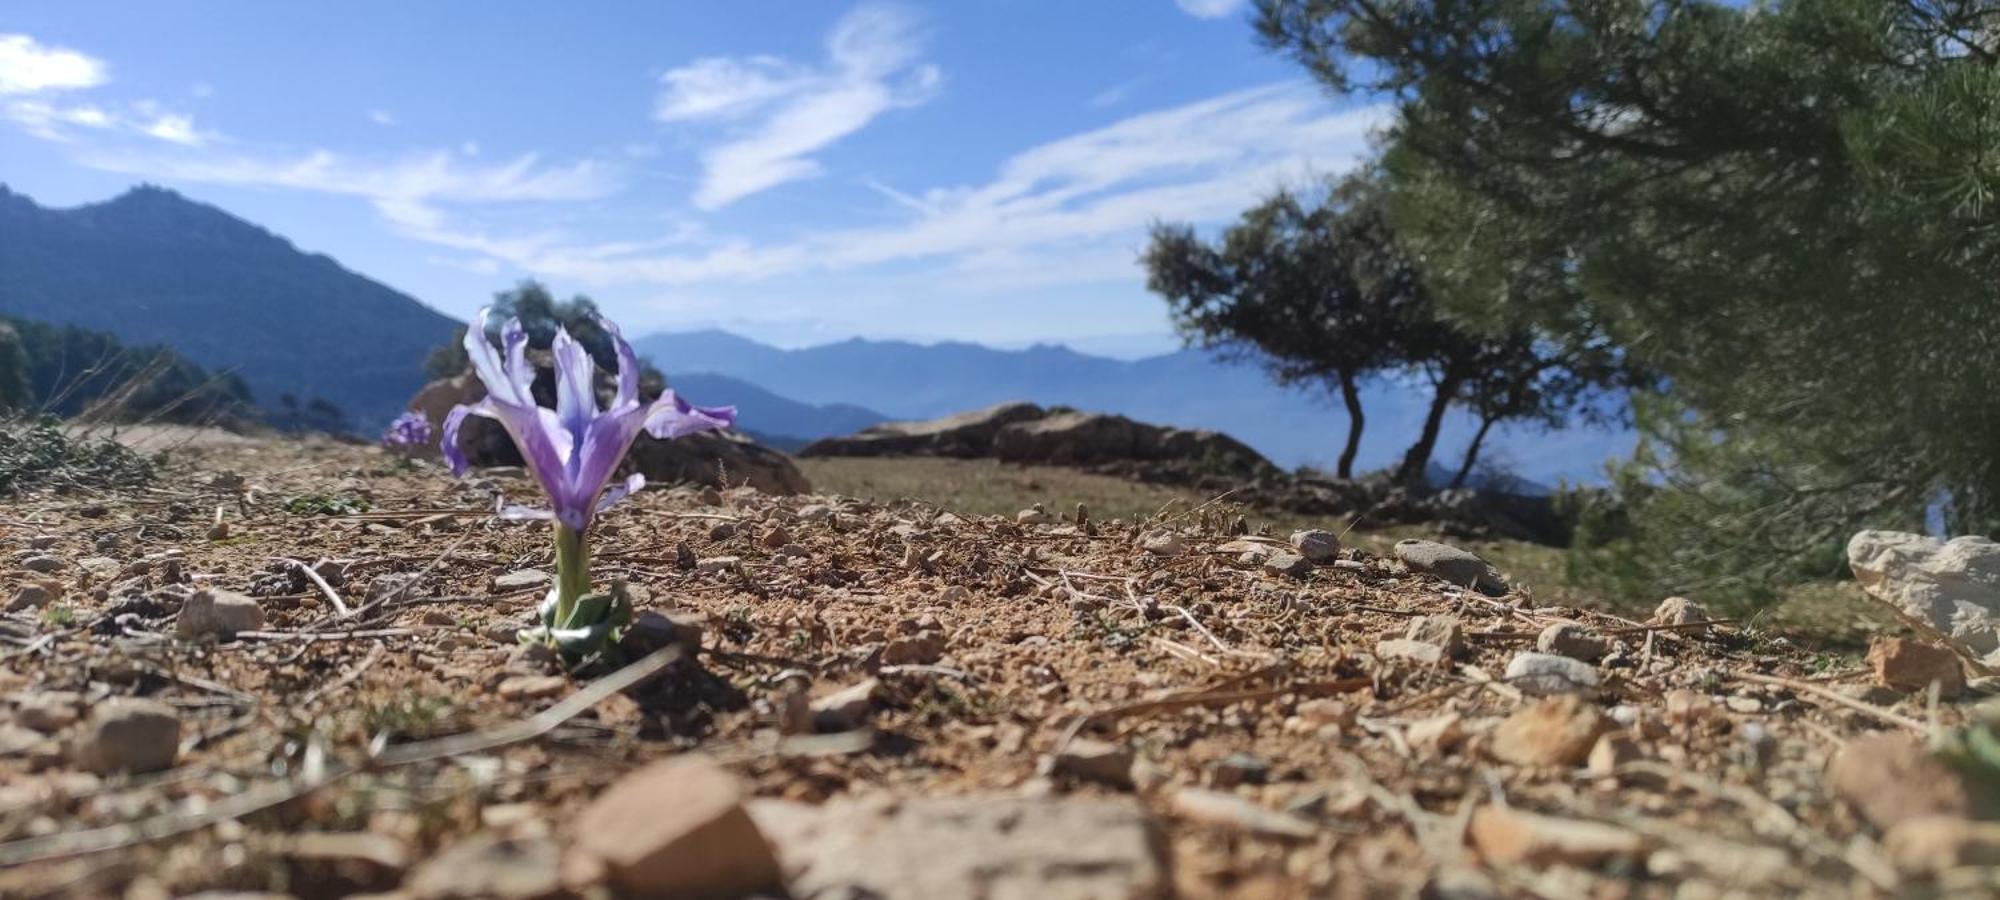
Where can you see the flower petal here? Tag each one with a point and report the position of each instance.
(576, 400)
(618, 492)
(514, 337)
(453, 456)
(628, 365)
(672, 417)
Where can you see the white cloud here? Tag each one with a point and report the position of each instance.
(382, 117)
(28, 67)
(1208, 9)
(780, 113)
(56, 122)
(1072, 210)
(175, 129)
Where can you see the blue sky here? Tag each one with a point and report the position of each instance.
(796, 172)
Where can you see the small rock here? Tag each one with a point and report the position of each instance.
(923, 648)
(1164, 543)
(1317, 545)
(108, 543)
(1509, 837)
(1240, 768)
(847, 708)
(1740, 703)
(1290, 565)
(1558, 731)
(490, 865)
(1545, 674)
(710, 497)
(1436, 734)
(1931, 845)
(46, 565)
(1574, 641)
(218, 531)
(676, 828)
(102, 568)
(716, 564)
(532, 687)
(652, 629)
(721, 531)
(1034, 515)
(41, 542)
(129, 735)
(1095, 760)
(1440, 630)
(1225, 810)
(1451, 564)
(48, 711)
(1890, 778)
(774, 538)
(218, 613)
(1415, 651)
(1611, 751)
(30, 596)
(1912, 666)
(1678, 611)
(993, 847)
(370, 848)
(521, 580)
(815, 512)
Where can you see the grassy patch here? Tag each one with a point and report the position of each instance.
(37, 453)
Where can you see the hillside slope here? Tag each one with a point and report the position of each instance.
(153, 267)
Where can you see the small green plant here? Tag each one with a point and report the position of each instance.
(325, 504)
(59, 615)
(40, 452)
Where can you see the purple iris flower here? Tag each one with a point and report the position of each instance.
(574, 449)
(408, 431)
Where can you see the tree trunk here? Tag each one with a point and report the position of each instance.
(1351, 395)
(1471, 453)
(1418, 457)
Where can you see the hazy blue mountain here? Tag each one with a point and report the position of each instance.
(781, 422)
(153, 267)
(1189, 388)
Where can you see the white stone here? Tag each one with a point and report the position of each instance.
(1546, 674)
(1316, 544)
(1952, 586)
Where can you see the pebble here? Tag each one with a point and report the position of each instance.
(1164, 543)
(30, 596)
(676, 828)
(1558, 731)
(1889, 778)
(487, 864)
(1290, 565)
(1611, 751)
(1221, 809)
(815, 512)
(47, 711)
(847, 708)
(1545, 674)
(1452, 564)
(1317, 545)
(922, 648)
(1678, 611)
(1034, 515)
(1911, 666)
(1574, 641)
(218, 613)
(1933, 845)
(46, 565)
(532, 687)
(716, 564)
(1506, 836)
(1443, 631)
(1240, 768)
(1417, 652)
(129, 735)
(774, 538)
(41, 542)
(521, 580)
(1095, 760)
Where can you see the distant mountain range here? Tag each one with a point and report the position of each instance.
(1189, 388)
(153, 267)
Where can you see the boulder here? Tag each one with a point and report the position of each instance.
(966, 434)
(1951, 587)
(707, 459)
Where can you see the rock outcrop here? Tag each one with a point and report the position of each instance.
(1950, 587)
(708, 459)
(1026, 433)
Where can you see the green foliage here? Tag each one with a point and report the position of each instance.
(70, 371)
(1783, 209)
(36, 453)
(1319, 287)
(326, 504)
(541, 314)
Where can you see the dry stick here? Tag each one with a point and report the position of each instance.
(113, 837)
(332, 596)
(325, 635)
(1843, 700)
(1683, 626)
(411, 581)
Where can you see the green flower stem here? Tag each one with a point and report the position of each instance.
(572, 573)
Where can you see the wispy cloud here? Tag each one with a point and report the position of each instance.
(28, 66)
(1208, 9)
(777, 114)
(382, 117)
(1085, 200)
